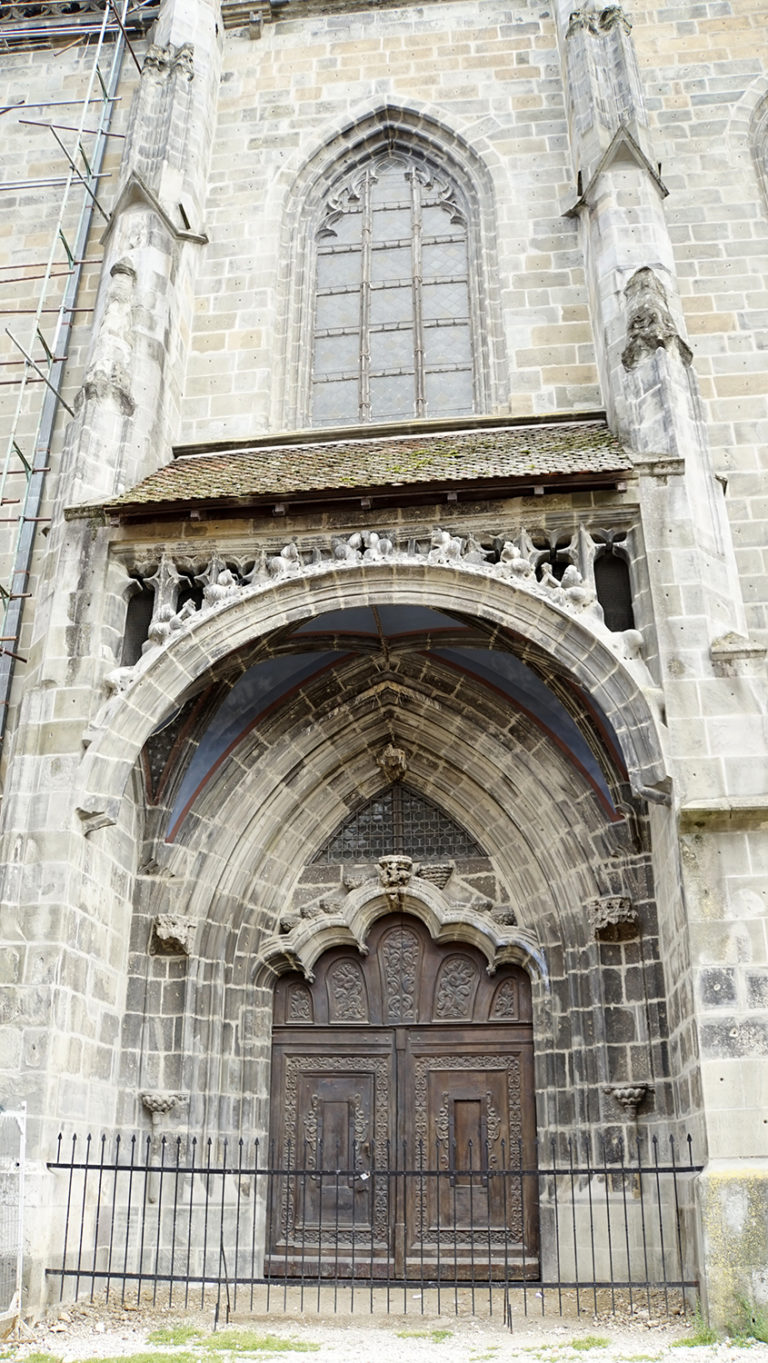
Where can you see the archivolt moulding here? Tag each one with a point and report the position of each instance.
(167, 676)
(353, 918)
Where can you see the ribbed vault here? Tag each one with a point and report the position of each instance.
(225, 642)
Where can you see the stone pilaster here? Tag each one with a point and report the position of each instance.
(127, 410)
(710, 673)
(67, 892)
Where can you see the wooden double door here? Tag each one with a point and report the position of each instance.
(402, 1114)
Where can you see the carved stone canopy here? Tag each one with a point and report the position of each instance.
(613, 918)
(650, 324)
(628, 1096)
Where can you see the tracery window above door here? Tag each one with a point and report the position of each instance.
(393, 328)
(398, 819)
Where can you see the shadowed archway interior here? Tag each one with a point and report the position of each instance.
(392, 639)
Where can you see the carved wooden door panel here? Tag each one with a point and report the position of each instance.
(332, 1118)
(402, 1112)
(467, 1120)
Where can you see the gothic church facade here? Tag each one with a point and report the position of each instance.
(391, 648)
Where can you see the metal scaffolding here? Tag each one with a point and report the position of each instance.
(40, 333)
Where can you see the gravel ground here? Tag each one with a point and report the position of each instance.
(89, 1332)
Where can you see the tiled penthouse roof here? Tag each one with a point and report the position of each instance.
(498, 458)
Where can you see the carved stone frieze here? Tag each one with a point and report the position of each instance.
(69, 12)
(324, 905)
(614, 918)
(518, 562)
(172, 935)
(504, 915)
(650, 324)
(438, 874)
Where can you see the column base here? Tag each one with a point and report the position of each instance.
(733, 1250)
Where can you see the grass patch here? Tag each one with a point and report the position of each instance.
(700, 1334)
(248, 1342)
(436, 1336)
(146, 1357)
(173, 1334)
(751, 1326)
(41, 1358)
(589, 1342)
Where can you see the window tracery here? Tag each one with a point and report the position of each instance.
(393, 329)
(398, 819)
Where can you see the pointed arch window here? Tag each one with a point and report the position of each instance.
(394, 331)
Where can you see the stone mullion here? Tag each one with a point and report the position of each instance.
(366, 253)
(418, 306)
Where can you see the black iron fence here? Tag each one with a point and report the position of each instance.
(182, 1223)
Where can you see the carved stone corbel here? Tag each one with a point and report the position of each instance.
(158, 1104)
(614, 918)
(395, 873)
(393, 762)
(628, 1096)
(172, 935)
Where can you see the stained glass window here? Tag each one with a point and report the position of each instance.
(392, 323)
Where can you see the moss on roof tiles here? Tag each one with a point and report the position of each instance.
(515, 453)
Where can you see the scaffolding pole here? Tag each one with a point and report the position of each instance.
(100, 97)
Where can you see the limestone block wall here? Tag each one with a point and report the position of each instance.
(489, 77)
